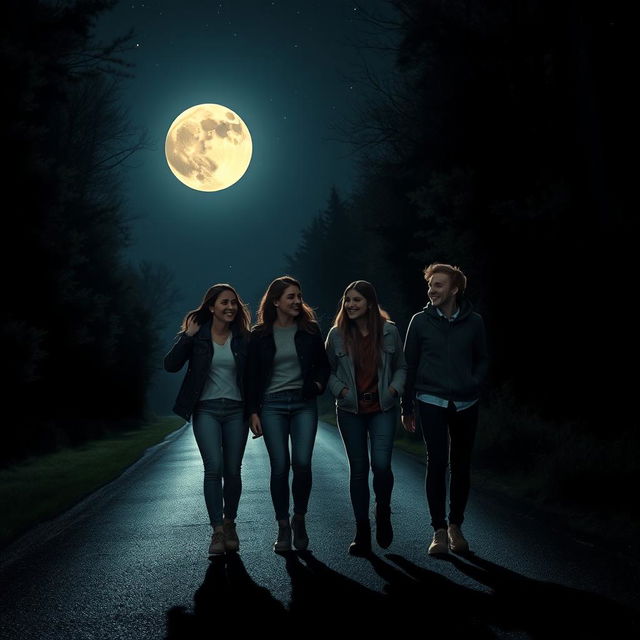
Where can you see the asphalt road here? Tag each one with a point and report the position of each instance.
(130, 562)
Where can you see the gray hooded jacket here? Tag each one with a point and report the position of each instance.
(392, 369)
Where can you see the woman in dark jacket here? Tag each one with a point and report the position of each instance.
(287, 370)
(214, 341)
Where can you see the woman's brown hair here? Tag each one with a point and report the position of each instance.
(267, 313)
(242, 321)
(376, 317)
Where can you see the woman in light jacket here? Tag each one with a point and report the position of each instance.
(214, 341)
(368, 371)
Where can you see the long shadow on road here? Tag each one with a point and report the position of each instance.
(542, 610)
(227, 600)
(323, 600)
(446, 608)
(330, 600)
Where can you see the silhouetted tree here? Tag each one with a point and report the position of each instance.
(326, 257)
(494, 146)
(78, 329)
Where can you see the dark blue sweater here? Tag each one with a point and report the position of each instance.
(445, 358)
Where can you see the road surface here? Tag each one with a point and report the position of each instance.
(130, 562)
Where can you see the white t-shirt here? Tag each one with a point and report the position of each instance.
(221, 381)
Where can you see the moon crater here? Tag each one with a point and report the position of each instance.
(205, 161)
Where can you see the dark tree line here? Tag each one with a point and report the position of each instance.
(500, 143)
(77, 328)
(497, 146)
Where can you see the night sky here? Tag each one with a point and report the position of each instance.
(514, 117)
(290, 70)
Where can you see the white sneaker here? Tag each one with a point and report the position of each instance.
(457, 542)
(439, 543)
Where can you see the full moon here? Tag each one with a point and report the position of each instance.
(208, 147)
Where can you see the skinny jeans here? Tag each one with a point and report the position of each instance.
(448, 435)
(221, 434)
(359, 431)
(286, 416)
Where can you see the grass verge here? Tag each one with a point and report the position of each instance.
(42, 487)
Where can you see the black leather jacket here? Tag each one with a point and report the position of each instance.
(314, 365)
(198, 350)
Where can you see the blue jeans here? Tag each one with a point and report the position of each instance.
(221, 433)
(287, 415)
(448, 435)
(380, 428)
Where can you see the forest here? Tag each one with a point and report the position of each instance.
(498, 145)
(70, 325)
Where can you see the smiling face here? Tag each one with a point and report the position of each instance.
(355, 304)
(440, 291)
(290, 302)
(225, 308)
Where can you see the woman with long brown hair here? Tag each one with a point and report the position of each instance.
(287, 370)
(214, 340)
(368, 371)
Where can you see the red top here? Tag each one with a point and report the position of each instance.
(366, 366)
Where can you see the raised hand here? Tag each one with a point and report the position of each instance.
(192, 326)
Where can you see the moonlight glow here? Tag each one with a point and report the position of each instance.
(208, 147)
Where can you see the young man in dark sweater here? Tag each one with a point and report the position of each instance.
(446, 353)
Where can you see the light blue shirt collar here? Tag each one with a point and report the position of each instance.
(453, 315)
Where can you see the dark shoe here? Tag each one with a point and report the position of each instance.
(283, 543)
(300, 537)
(384, 530)
(231, 541)
(361, 545)
(216, 547)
